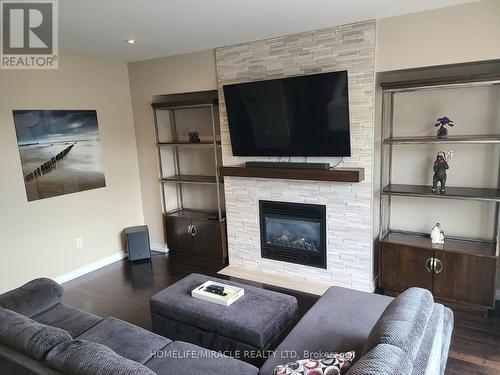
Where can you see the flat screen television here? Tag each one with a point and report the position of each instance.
(295, 116)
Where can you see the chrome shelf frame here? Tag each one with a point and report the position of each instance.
(215, 144)
(388, 141)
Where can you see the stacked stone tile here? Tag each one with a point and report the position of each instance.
(350, 227)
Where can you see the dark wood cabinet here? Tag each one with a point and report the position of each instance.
(197, 237)
(210, 235)
(177, 233)
(465, 278)
(459, 272)
(394, 258)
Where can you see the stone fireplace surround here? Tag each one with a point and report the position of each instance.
(349, 206)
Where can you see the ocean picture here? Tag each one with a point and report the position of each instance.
(60, 151)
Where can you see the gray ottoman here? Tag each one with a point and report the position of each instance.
(245, 329)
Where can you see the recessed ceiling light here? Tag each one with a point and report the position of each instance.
(131, 41)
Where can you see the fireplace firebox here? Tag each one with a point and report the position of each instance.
(293, 232)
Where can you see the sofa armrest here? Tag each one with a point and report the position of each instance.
(33, 297)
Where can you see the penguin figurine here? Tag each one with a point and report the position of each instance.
(437, 235)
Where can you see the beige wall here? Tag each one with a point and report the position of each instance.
(38, 238)
(462, 33)
(176, 74)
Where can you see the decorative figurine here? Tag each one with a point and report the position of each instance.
(194, 137)
(437, 234)
(442, 122)
(440, 167)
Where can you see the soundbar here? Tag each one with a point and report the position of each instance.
(279, 164)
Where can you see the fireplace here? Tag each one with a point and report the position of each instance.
(293, 232)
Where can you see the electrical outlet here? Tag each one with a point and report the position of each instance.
(79, 243)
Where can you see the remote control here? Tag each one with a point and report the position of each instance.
(216, 289)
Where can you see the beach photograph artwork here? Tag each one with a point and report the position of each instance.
(60, 151)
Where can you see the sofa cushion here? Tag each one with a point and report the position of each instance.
(13, 362)
(338, 322)
(80, 357)
(126, 339)
(33, 297)
(404, 322)
(68, 318)
(28, 336)
(188, 359)
(383, 359)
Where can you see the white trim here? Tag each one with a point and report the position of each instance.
(497, 295)
(159, 247)
(374, 284)
(90, 267)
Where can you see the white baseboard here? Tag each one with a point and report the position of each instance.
(159, 247)
(90, 267)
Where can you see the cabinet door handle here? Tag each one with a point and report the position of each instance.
(194, 230)
(438, 266)
(429, 264)
(190, 229)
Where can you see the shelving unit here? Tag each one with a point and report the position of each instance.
(463, 270)
(192, 188)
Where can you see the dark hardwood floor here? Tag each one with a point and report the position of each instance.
(123, 290)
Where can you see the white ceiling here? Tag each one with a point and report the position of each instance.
(168, 27)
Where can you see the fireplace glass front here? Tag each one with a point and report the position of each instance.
(293, 232)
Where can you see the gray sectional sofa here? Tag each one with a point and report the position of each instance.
(409, 335)
(41, 335)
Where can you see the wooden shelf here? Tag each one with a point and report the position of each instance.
(186, 100)
(199, 144)
(193, 179)
(460, 246)
(456, 139)
(481, 79)
(451, 192)
(337, 174)
(193, 214)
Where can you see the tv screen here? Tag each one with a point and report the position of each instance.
(296, 116)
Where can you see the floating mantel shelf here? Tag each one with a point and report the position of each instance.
(451, 192)
(335, 174)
